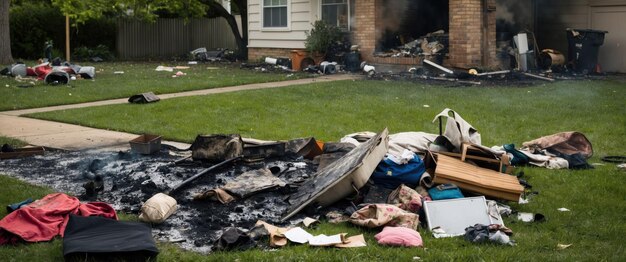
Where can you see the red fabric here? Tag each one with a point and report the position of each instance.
(42, 71)
(46, 218)
(30, 71)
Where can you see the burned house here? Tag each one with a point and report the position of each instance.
(469, 31)
(276, 27)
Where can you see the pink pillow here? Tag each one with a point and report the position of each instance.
(399, 236)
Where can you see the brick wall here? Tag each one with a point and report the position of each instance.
(261, 53)
(364, 33)
(468, 48)
(491, 33)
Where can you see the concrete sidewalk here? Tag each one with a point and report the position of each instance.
(319, 79)
(75, 137)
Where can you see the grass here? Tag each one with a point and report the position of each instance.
(12, 142)
(137, 78)
(328, 111)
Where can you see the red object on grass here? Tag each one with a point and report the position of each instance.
(46, 218)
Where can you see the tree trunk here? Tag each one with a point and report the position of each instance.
(242, 41)
(5, 36)
(243, 10)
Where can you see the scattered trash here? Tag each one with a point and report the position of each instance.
(530, 217)
(143, 98)
(158, 208)
(562, 209)
(118, 72)
(146, 144)
(614, 159)
(340, 178)
(102, 238)
(399, 236)
(563, 246)
(379, 215)
(203, 55)
(18, 205)
(179, 73)
(310, 222)
(446, 70)
(496, 233)
(274, 180)
(300, 236)
(452, 216)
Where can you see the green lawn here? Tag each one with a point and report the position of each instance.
(137, 78)
(12, 142)
(597, 198)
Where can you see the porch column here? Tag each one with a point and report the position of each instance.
(364, 33)
(472, 33)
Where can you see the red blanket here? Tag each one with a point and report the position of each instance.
(46, 218)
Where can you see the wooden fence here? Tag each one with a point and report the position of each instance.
(167, 38)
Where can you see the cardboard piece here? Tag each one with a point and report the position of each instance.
(324, 240)
(299, 235)
(309, 222)
(353, 241)
(277, 234)
(472, 178)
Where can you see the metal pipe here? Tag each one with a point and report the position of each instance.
(438, 66)
(494, 73)
(538, 77)
(203, 172)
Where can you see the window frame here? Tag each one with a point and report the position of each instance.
(281, 28)
(348, 9)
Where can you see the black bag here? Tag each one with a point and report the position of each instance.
(99, 238)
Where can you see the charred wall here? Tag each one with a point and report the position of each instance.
(399, 22)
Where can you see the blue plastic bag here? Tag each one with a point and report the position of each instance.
(391, 175)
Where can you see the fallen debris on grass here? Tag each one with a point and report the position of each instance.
(286, 183)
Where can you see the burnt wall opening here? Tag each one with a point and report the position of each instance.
(401, 22)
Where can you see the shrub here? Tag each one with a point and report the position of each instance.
(321, 37)
(84, 53)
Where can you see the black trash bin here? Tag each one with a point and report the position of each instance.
(353, 61)
(583, 48)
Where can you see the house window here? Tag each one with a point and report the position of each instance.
(274, 13)
(336, 12)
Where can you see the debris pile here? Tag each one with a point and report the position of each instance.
(203, 55)
(225, 192)
(55, 72)
(434, 44)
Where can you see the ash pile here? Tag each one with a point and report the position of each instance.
(433, 45)
(220, 184)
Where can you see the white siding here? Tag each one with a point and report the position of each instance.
(301, 14)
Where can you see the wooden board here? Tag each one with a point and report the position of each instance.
(476, 179)
(22, 152)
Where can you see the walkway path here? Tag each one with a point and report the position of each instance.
(75, 137)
